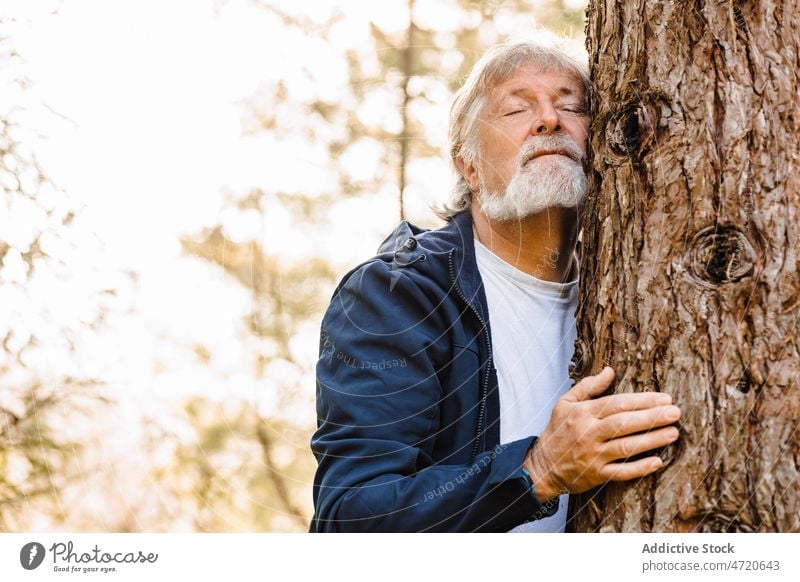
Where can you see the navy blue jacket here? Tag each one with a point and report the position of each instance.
(407, 401)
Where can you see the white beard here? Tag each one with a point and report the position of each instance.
(542, 183)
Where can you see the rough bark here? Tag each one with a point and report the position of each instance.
(689, 275)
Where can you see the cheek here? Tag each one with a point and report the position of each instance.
(500, 152)
(579, 135)
(504, 166)
(583, 133)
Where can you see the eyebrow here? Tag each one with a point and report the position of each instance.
(563, 91)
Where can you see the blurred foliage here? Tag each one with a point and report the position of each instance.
(237, 472)
(410, 73)
(41, 401)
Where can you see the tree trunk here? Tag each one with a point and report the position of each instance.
(689, 274)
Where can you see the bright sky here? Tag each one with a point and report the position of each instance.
(149, 89)
(150, 137)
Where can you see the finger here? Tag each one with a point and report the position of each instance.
(615, 403)
(625, 423)
(625, 447)
(632, 470)
(591, 386)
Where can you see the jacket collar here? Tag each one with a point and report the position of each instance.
(454, 246)
(451, 246)
(464, 265)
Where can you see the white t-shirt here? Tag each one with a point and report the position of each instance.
(533, 338)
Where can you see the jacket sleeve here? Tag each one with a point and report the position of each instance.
(378, 398)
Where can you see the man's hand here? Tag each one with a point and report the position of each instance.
(582, 445)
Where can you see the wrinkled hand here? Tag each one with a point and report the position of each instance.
(586, 439)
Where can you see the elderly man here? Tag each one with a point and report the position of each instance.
(443, 393)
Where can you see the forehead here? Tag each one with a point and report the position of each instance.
(533, 80)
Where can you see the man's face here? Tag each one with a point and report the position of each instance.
(531, 144)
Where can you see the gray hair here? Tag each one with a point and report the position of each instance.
(497, 65)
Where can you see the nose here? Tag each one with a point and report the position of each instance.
(548, 120)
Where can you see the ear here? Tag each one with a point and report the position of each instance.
(469, 171)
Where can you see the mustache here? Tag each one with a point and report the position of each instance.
(550, 144)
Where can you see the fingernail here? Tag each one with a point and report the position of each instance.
(674, 413)
(664, 399)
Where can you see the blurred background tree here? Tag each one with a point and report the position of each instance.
(48, 308)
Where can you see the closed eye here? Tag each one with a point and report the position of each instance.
(510, 113)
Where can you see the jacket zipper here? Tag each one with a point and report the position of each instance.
(485, 387)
